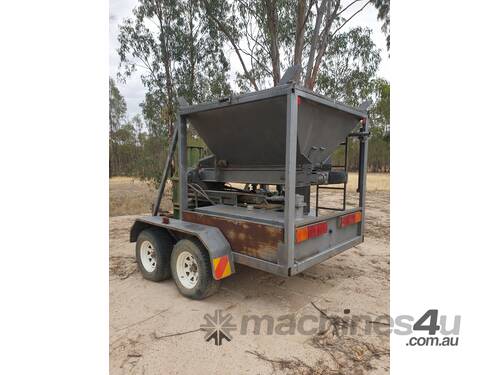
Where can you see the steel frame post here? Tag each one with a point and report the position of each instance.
(166, 171)
(363, 166)
(183, 196)
(346, 170)
(290, 180)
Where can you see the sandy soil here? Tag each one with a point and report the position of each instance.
(154, 330)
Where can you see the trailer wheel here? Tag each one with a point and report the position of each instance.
(152, 251)
(191, 270)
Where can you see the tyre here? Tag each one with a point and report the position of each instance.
(191, 270)
(152, 252)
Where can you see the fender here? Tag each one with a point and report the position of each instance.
(211, 237)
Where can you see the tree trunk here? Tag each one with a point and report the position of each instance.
(299, 32)
(323, 41)
(192, 53)
(314, 42)
(231, 40)
(272, 29)
(166, 61)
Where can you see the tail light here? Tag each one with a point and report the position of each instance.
(350, 219)
(311, 231)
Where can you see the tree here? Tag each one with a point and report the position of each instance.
(117, 107)
(272, 35)
(117, 114)
(179, 49)
(177, 52)
(125, 136)
(351, 64)
(379, 143)
(383, 7)
(381, 115)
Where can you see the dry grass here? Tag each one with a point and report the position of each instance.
(129, 196)
(375, 181)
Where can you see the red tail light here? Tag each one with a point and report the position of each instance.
(311, 231)
(349, 219)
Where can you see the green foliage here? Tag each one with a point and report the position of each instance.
(119, 132)
(350, 67)
(379, 142)
(381, 110)
(152, 113)
(178, 52)
(384, 7)
(117, 107)
(178, 47)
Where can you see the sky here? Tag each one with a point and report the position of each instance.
(133, 90)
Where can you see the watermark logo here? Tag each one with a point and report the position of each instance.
(431, 329)
(435, 329)
(218, 327)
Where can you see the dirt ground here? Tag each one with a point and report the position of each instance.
(154, 330)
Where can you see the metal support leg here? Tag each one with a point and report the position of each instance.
(166, 171)
(317, 200)
(346, 170)
(290, 181)
(363, 166)
(183, 196)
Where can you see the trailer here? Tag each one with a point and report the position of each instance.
(249, 201)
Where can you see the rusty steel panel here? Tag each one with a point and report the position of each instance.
(254, 239)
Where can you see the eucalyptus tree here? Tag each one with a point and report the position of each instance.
(117, 107)
(176, 52)
(268, 36)
(117, 116)
(349, 72)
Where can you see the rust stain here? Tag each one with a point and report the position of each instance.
(258, 240)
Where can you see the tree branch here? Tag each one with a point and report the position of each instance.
(314, 40)
(272, 28)
(228, 35)
(350, 18)
(332, 15)
(299, 32)
(250, 54)
(326, 37)
(348, 6)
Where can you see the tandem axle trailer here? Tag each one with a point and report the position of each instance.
(250, 201)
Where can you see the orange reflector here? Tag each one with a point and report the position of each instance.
(350, 219)
(222, 267)
(311, 231)
(301, 234)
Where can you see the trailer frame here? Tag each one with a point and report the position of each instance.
(287, 262)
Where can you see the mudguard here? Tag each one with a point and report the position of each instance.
(219, 250)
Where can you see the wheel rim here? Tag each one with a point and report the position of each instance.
(187, 270)
(148, 256)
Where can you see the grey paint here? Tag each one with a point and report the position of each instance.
(286, 253)
(166, 170)
(363, 165)
(254, 133)
(324, 255)
(333, 238)
(266, 131)
(183, 198)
